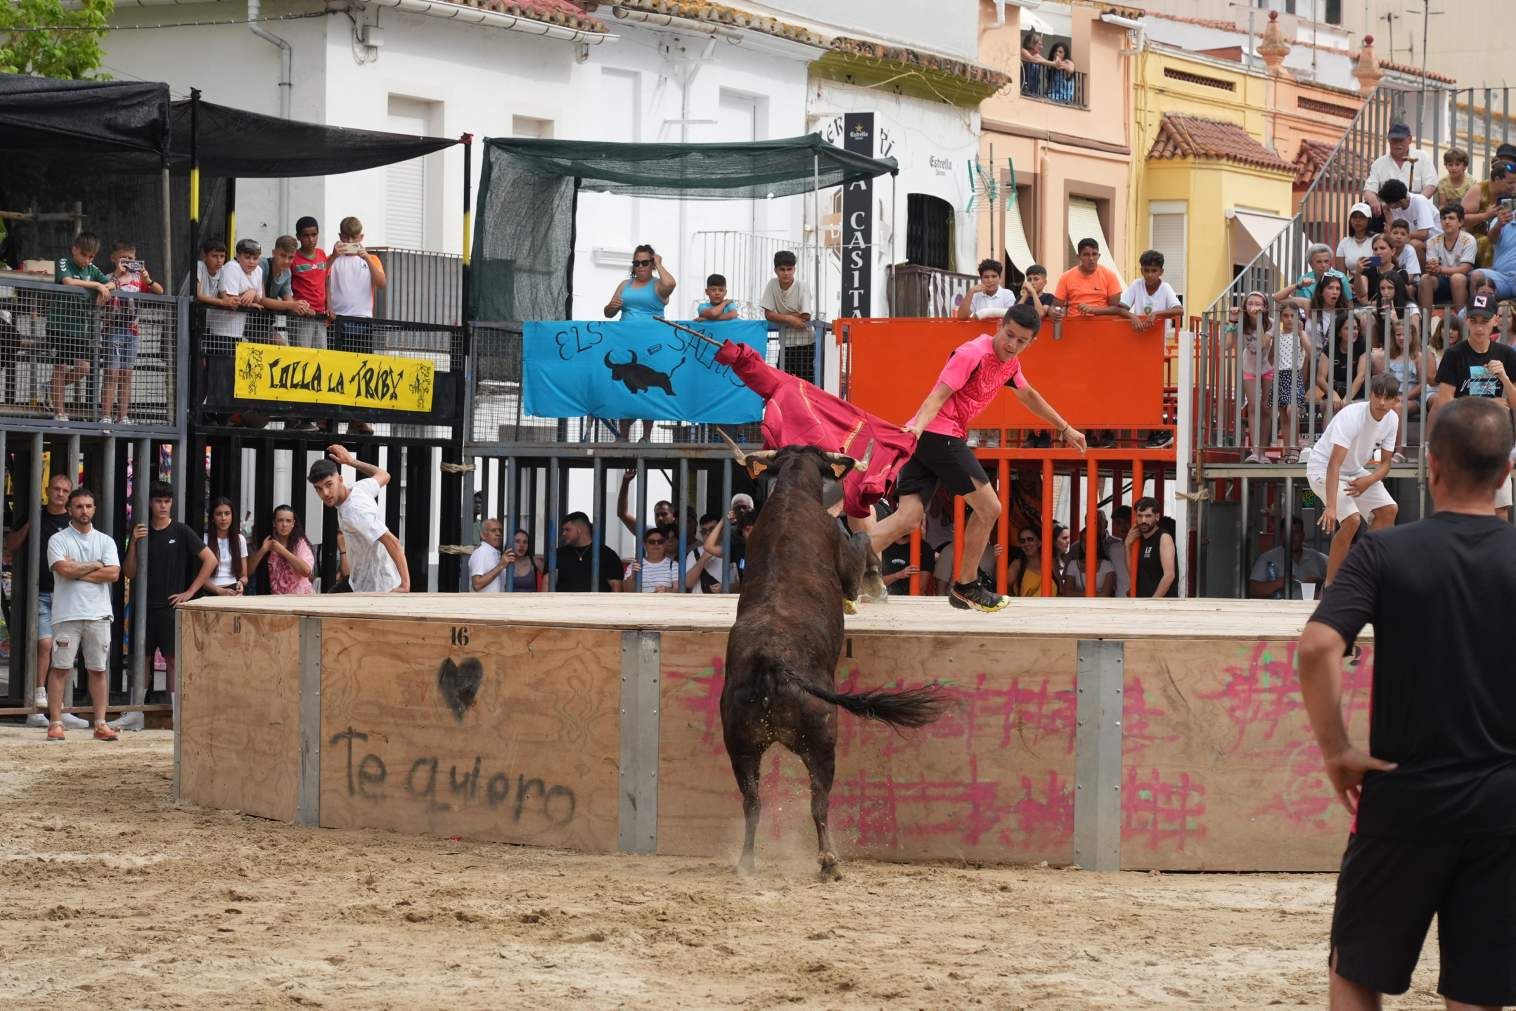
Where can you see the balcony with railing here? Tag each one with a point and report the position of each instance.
(1055, 86)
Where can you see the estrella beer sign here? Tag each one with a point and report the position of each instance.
(336, 378)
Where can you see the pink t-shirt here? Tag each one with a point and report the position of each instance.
(282, 578)
(976, 374)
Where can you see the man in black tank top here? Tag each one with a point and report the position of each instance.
(1157, 567)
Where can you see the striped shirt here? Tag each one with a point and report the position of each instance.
(657, 575)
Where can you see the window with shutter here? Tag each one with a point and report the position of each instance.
(1166, 233)
(410, 209)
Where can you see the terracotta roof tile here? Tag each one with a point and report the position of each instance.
(1194, 137)
(1349, 170)
(555, 12)
(975, 73)
(730, 17)
(1409, 71)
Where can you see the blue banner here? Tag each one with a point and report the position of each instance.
(637, 368)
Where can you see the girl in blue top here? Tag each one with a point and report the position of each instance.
(642, 296)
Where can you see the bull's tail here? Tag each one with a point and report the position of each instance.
(904, 707)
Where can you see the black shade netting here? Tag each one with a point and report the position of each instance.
(524, 225)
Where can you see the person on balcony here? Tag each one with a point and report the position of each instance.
(988, 297)
(1088, 288)
(1355, 250)
(1453, 187)
(1059, 75)
(1413, 167)
(785, 303)
(642, 296)
(1400, 204)
(1482, 203)
(1033, 66)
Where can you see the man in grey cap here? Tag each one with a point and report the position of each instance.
(1412, 166)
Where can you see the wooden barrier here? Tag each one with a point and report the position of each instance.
(1161, 735)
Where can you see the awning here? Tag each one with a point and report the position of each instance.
(1252, 233)
(1084, 223)
(1017, 250)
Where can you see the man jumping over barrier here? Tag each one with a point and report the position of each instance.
(974, 374)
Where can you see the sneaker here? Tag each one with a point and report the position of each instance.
(300, 426)
(60, 416)
(39, 697)
(103, 732)
(1160, 440)
(38, 720)
(74, 723)
(55, 732)
(973, 596)
(360, 428)
(132, 721)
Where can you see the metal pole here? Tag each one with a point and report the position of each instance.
(141, 482)
(679, 498)
(551, 534)
(168, 227)
(467, 140)
(511, 488)
(816, 238)
(726, 528)
(598, 521)
(638, 551)
(31, 497)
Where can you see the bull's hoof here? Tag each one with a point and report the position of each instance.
(831, 870)
(849, 606)
(745, 867)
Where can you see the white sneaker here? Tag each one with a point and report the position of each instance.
(39, 697)
(128, 721)
(37, 720)
(72, 722)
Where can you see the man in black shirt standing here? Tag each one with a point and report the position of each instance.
(1480, 366)
(576, 559)
(1434, 797)
(173, 549)
(1157, 565)
(54, 518)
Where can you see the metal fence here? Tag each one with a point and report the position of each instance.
(927, 291)
(423, 286)
(79, 355)
(746, 260)
(1058, 87)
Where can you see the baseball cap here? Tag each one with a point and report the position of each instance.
(1506, 152)
(1360, 208)
(1399, 131)
(1481, 306)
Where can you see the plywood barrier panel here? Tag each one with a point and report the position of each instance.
(993, 780)
(486, 732)
(1220, 769)
(239, 710)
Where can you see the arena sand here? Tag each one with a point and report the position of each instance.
(115, 897)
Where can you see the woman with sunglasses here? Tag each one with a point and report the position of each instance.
(658, 569)
(1030, 583)
(642, 296)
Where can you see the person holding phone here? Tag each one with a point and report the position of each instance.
(1355, 249)
(642, 296)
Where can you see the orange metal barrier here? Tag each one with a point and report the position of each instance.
(1098, 372)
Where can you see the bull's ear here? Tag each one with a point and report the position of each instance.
(755, 466)
(840, 468)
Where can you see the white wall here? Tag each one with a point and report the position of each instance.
(933, 142)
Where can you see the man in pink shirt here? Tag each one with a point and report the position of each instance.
(974, 374)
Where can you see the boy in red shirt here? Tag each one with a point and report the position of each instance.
(974, 374)
(308, 279)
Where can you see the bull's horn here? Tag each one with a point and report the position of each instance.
(736, 449)
(862, 465)
(633, 353)
(608, 363)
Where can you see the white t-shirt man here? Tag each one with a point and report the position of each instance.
(663, 575)
(361, 521)
(1417, 172)
(234, 281)
(1142, 302)
(1354, 428)
(485, 557)
(995, 305)
(1310, 567)
(1075, 572)
(1421, 214)
(1464, 250)
(80, 599)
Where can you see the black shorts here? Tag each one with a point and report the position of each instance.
(160, 634)
(940, 459)
(1389, 890)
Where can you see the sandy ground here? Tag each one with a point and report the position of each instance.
(115, 897)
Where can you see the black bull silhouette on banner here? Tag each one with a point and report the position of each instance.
(637, 377)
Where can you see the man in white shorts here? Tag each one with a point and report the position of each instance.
(373, 551)
(84, 563)
(1338, 467)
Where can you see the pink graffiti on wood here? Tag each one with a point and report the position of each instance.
(1161, 814)
(1307, 796)
(702, 699)
(883, 813)
(1137, 719)
(1263, 695)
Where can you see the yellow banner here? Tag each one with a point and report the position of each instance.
(312, 376)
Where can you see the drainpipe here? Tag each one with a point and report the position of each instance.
(286, 69)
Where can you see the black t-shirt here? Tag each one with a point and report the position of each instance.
(1464, 369)
(1443, 703)
(50, 525)
(1150, 565)
(575, 568)
(171, 561)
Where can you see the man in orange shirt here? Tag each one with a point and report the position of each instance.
(1090, 289)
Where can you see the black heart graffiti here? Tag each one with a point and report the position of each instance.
(459, 684)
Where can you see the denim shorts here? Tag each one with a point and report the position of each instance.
(44, 616)
(121, 349)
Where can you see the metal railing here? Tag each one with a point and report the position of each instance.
(927, 291)
(423, 286)
(1058, 87)
(746, 260)
(68, 354)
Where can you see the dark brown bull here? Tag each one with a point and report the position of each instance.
(782, 654)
